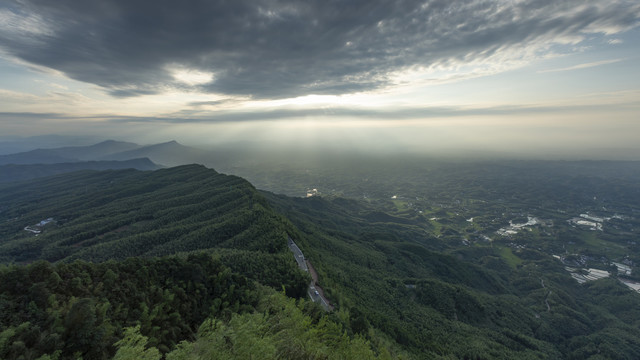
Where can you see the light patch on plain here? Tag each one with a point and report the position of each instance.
(582, 66)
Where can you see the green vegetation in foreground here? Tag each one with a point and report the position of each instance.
(181, 308)
(280, 328)
(81, 309)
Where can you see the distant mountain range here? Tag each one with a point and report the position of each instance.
(105, 155)
(97, 151)
(12, 172)
(13, 145)
(68, 154)
(167, 154)
(38, 156)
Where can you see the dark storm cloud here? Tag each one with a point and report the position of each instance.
(280, 48)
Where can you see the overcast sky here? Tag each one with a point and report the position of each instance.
(514, 76)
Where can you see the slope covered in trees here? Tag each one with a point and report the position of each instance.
(81, 309)
(469, 302)
(122, 222)
(280, 328)
(181, 308)
(402, 284)
(98, 216)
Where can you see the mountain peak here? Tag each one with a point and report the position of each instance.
(110, 142)
(171, 143)
(169, 153)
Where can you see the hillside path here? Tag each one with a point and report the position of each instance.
(313, 287)
(546, 298)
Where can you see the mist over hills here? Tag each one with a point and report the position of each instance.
(38, 156)
(12, 172)
(68, 154)
(292, 171)
(168, 154)
(97, 151)
(13, 145)
(109, 154)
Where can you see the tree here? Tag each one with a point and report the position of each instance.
(132, 346)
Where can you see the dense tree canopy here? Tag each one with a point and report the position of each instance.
(174, 263)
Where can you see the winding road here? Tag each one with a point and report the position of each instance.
(546, 301)
(315, 292)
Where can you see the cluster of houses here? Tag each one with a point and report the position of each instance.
(582, 275)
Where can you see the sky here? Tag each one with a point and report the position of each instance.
(537, 77)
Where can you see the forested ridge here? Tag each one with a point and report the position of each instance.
(181, 308)
(469, 302)
(186, 263)
(98, 271)
(81, 309)
(99, 216)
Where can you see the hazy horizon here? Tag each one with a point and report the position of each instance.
(523, 79)
(329, 150)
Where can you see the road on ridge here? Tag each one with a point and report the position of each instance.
(315, 292)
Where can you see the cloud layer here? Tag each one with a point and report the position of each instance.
(280, 48)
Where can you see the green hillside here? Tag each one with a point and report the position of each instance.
(469, 302)
(98, 216)
(81, 309)
(181, 308)
(129, 219)
(169, 262)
